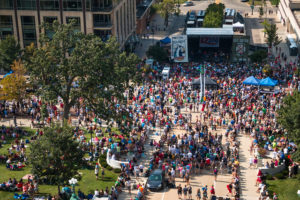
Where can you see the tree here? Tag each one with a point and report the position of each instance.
(165, 8)
(73, 65)
(157, 53)
(56, 156)
(9, 51)
(272, 38)
(214, 16)
(258, 56)
(289, 119)
(14, 85)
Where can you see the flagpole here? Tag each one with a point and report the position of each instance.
(204, 81)
(200, 84)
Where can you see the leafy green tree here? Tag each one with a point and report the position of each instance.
(258, 56)
(289, 118)
(56, 156)
(9, 51)
(214, 15)
(272, 38)
(165, 8)
(73, 65)
(157, 53)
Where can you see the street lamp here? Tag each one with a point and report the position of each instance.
(73, 182)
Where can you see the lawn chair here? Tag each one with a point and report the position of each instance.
(25, 196)
(17, 196)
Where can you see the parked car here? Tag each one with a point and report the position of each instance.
(156, 180)
(188, 3)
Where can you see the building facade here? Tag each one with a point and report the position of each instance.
(289, 15)
(143, 15)
(104, 18)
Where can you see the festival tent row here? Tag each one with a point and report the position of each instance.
(264, 82)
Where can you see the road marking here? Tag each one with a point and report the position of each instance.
(163, 196)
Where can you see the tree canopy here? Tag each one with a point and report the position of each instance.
(214, 16)
(14, 85)
(289, 118)
(272, 38)
(258, 56)
(165, 8)
(73, 65)
(9, 51)
(157, 53)
(56, 156)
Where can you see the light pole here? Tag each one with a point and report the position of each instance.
(73, 182)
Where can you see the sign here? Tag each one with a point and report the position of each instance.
(179, 50)
(209, 42)
(240, 49)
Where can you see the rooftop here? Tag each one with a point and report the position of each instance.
(227, 30)
(297, 15)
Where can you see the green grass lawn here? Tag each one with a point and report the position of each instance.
(87, 183)
(286, 189)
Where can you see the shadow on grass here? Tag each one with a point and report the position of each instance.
(106, 179)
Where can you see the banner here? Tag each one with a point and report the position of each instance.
(179, 48)
(209, 42)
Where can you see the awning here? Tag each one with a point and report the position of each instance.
(238, 25)
(166, 40)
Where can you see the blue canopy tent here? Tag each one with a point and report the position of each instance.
(9, 73)
(251, 81)
(166, 40)
(268, 82)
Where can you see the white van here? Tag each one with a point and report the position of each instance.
(165, 73)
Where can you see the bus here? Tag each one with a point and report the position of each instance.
(229, 13)
(293, 48)
(201, 14)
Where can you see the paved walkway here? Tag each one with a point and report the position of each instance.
(145, 160)
(248, 176)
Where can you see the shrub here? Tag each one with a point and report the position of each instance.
(258, 56)
(109, 168)
(117, 171)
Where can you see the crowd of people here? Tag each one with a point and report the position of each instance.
(198, 133)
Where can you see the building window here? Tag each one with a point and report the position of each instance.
(101, 20)
(72, 5)
(6, 26)
(102, 5)
(88, 5)
(49, 21)
(103, 34)
(6, 4)
(29, 30)
(26, 4)
(49, 5)
(77, 27)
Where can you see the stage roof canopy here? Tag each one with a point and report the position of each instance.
(210, 31)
